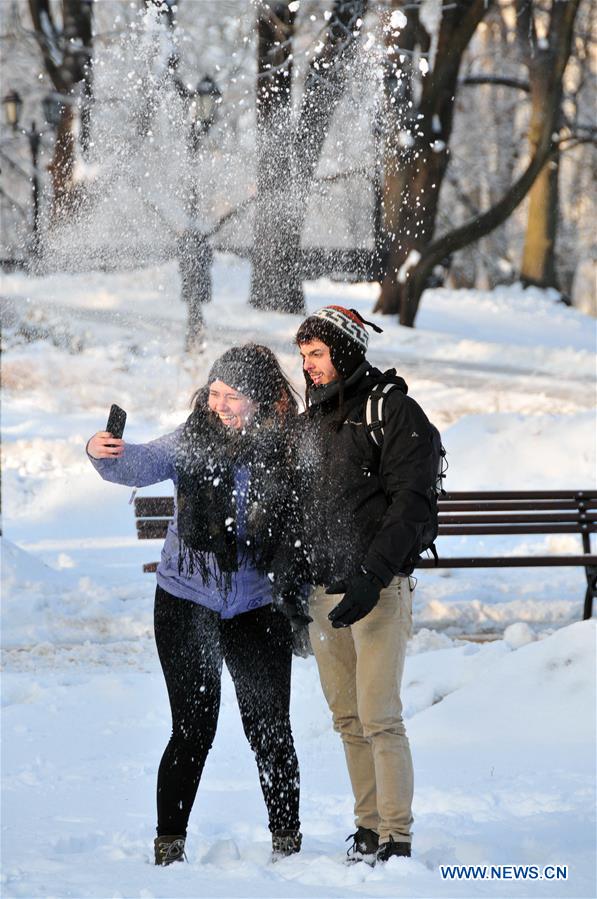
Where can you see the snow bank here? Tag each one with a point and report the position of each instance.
(505, 450)
(44, 606)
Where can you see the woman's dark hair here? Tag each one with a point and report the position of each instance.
(286, 405)
(254, 371)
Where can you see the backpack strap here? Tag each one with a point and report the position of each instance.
(374, 414)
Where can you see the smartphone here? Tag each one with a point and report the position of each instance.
(116, 421)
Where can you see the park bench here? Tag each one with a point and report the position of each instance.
(467, 514)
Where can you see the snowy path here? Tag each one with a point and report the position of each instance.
(448, 371)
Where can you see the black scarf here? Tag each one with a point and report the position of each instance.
(337, 400)
(209, 454)
(327, 392)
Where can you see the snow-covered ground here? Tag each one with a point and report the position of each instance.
(503, 733)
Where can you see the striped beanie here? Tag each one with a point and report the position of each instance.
(343, 331)
(348, 322)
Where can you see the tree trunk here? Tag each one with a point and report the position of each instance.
(396, 124)
(325, 83)
(276, 279)
(288, 183)
(538, 260)
(420, 198)
(63, 165)
(415, 180)
(275, 274)
(67, 53)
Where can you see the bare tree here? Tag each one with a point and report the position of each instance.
(486, 222)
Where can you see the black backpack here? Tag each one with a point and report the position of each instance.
(375, 423)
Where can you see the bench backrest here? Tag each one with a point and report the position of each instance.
(519, 512)
(466, 513)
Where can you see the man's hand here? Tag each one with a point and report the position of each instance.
(361, 593)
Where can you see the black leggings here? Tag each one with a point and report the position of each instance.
(192, 642)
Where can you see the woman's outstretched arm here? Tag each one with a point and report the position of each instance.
(134, 464)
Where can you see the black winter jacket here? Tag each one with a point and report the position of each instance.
(364, 506)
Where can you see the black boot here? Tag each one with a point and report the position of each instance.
(285, 842)
(169, 849)
(364, 846)
(391, 848)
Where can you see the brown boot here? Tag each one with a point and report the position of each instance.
(169, 849)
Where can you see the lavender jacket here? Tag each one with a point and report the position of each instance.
(143, 464)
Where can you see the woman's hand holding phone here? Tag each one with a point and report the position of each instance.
(108, 444)
(103, 446)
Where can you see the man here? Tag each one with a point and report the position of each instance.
(364, 510)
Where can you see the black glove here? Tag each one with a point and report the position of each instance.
(301, 643)
(292, 608)
(361, 593)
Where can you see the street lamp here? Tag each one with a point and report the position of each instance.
(12, 111)
(12, 108)
(195, 254)
(207, 98)
(203, 102)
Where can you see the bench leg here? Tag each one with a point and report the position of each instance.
(591, 592)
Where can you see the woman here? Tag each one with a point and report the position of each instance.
(231, 468)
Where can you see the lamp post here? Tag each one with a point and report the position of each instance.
(202, 108)
(13, 105)
(195, 255)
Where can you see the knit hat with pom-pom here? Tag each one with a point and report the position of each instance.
(343, 331)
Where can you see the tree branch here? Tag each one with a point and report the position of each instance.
(325, 179)
(457, 27)
(46, 35)
(15, 165)
(498, 80)
(483, 224)
(14, 204)
(230, 215)
(569, 143)
(525, 26)
(323, 84)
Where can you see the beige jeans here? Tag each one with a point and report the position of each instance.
(360, 668)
